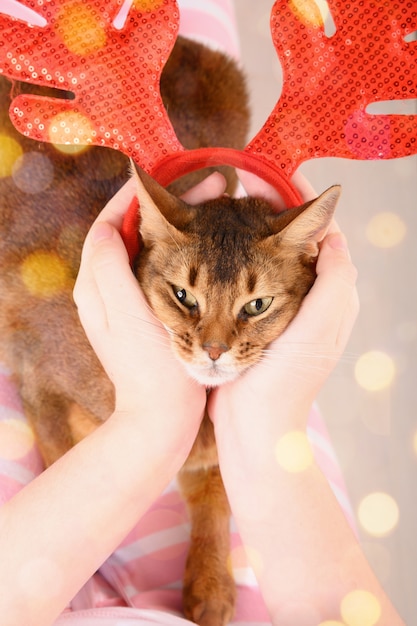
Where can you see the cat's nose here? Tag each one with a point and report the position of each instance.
(215, 349)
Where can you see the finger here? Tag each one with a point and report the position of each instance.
(255, 186)
(211, 187)
(330, 300)
(117, 206)
(348, 321)
(116, 284)
(334, 228)
(88, 296)
(113, 214)
(304, 187)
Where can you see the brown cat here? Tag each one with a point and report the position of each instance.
(225, 278)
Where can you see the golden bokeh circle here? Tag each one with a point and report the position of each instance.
(360, 608)
(81, 29)
(386, 230)
(374, 370)
(145, 6)
(71, 129)
(293, 452)
(307, 12)
(10, 151)
(45, 274)
(378, 514)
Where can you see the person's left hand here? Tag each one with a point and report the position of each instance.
(295, 366)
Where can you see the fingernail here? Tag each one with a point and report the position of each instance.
(101, 231)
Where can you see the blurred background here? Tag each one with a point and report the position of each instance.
(370, 402)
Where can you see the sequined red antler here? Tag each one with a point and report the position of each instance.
(328, 82)
(114, 75)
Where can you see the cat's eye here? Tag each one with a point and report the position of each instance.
(185, 297)
(258, 306)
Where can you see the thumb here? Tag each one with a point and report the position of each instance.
(330, 308)
(116, 284)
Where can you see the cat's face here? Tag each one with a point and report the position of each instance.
(225, 278)
(218, 327)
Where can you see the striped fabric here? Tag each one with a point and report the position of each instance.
(141, 582)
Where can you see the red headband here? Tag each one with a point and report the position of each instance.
(113, 69)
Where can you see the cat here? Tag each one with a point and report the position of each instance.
(225, 278)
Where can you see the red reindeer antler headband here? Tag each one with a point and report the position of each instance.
(110, 55)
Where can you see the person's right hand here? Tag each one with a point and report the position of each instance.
(130, 342)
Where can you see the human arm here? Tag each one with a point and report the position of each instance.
(306, 558)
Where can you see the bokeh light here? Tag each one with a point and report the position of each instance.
(71, 149)
(16, 438)
(147, 5)
(374, 370)
(378, 514)
(308, 12)
(10, 151)
(81, 28)
(331, 622)
(70, 128)
(33, 172)
(293, 452)
(360, 608)
(386, 230)
(45, 274)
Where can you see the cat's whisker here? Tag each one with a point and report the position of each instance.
(156, 324)
(152, 330)
(311, 350)
(302, 358)
(159, 341)
(300, 364)
(301, 372)
(301, 354)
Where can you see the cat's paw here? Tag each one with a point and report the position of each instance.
(209, 601)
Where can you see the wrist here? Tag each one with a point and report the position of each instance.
(259, 416)
(162, 435)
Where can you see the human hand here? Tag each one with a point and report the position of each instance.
(295, 366)
(255, 186)
(131, 344)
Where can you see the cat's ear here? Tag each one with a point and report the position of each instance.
(163, 215)
(308, 224)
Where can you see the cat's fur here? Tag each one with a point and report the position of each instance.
(226, 258)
